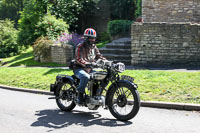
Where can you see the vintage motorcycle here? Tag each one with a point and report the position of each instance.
(121, 97)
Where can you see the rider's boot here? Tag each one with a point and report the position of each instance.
(80, 99)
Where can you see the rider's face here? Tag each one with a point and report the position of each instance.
(91, 40)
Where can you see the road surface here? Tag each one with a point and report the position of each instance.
(22, 112)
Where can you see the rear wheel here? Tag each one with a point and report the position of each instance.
(123, 101)
(64, 94)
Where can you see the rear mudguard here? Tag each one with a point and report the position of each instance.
(64, 79)
(61, 79)
(115, 84)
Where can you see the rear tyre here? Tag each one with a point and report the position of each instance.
(123, 101)
(64, 94)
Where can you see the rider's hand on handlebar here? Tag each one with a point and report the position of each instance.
(94, 64)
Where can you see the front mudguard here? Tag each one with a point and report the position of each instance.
(115, 84)
(61, 79)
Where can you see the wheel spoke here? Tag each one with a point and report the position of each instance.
(128, 94)
(123, 101)
(123, 91)
(121, 105)
(63, 100)
(117, 92)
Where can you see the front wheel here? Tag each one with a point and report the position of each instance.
(123, 101)
(64, 94)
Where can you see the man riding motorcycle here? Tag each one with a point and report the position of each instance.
(120, 97)
(86, 55)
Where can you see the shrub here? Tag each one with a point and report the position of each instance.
(8, 39)
(138, 11)
(51, 27)
(32, 13)
(119, 27)
(104, 36)
(42, 47)
(73, 39)
(76, 39)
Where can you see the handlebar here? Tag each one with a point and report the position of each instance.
(104, 64)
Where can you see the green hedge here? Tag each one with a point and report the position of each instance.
(8, 39)
(103, 36)
(119, 27)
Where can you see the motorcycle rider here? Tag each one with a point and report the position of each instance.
(86, 55)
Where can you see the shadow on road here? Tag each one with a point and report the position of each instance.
(57, 119)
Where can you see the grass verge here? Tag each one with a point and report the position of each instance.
(26, 58)
(165, 86)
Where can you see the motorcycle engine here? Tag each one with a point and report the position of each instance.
(95, 102)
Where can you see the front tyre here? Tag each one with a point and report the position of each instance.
(123, 101)
(64, 97)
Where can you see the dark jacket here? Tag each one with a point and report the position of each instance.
(85, 54)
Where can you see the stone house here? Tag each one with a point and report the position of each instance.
(169, 34)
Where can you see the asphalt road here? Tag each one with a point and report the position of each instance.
(30, 113)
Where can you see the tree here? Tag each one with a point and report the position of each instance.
(72, 10)
(8, 39)
(125, 9)
(33, 12)
(10, 9)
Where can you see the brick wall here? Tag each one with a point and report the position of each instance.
(59, 54)
(62, 54)
(165, 44)
(171, 10)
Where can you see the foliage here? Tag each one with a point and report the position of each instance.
(102, 44)
(76, 39)
(10, 9)
(119, 27)
(8, 39)
(32, 13)
(72, 10)
(42, 46)
(50, 27)
(138, 11)
(73, 39)
(64, 38)
(122, 9)
(104, 36)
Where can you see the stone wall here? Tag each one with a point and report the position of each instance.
(168, 44)
(58, 54)
(62, 54)
(171, 11)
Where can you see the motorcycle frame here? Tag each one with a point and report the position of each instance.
(112, 76)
